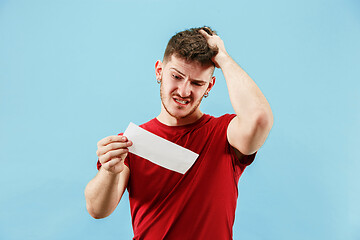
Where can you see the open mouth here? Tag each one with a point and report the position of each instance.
(181, 102)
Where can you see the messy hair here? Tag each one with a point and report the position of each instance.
(191, 46)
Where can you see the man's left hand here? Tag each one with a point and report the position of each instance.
(215, 42)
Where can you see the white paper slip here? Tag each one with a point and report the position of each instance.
(159, 150)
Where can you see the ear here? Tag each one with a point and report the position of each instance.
(211, 84)
(158, 69)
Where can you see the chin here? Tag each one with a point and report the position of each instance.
(182, 114)
(179, 115)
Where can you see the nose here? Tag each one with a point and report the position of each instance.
(184, 89)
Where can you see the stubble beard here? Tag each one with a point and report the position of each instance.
(163, 98)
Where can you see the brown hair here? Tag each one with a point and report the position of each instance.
(191, 46)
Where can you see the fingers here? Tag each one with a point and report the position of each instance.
(112, 146)
(113, 157)
(110, 139)
(116, 165)
(213, 40)
(113, 150)
(113, 154)
(208, 31)
(112, 163)
(216, 44)
(205, 34)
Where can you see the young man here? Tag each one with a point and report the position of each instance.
(201, 203)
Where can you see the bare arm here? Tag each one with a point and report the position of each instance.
(104, 191)
(248, 131)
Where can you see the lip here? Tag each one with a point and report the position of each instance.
(181, 104)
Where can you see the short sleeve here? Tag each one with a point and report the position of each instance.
(127, 161)
(244, 159)
(98, 165)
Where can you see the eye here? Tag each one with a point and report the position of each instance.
(177, 77)
(197, 83)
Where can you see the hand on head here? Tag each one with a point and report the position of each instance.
(215, 42)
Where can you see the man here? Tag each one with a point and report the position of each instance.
(201, 203)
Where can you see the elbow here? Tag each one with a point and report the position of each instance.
(93, 213)
(264, 120)
(91, 208)
(258, 133)
(96, 216)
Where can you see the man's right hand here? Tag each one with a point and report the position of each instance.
(112, 152)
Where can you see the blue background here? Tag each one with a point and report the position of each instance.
(73, 72)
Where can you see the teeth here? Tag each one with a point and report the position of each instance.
(182, 102)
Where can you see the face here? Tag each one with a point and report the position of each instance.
(183, 85)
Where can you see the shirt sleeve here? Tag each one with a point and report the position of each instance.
(98, 165)
(245, 160)
(127, 160)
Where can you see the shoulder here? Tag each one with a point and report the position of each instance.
(217, 125)
(149, 124)
(226, 117)
(222, 120)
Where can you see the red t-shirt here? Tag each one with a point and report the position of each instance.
(197, 205)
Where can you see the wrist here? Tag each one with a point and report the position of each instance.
(109, 174)
(222, 58)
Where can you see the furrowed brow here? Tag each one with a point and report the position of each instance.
(199, 81)
(194, 80)
(178, 71)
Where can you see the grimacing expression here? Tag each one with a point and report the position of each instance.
(183, 85)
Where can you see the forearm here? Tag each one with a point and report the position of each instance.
(245, 96)
(102, 194)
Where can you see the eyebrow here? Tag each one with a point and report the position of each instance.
(194, 80)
